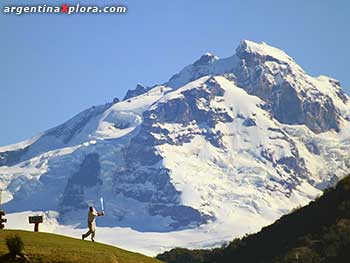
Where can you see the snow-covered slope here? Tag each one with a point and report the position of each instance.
(224, 147)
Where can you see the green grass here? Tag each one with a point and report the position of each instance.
(45, 247)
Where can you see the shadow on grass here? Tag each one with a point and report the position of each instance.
(8, 258)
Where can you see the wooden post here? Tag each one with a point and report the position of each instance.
(36, 227)
(2, 220)
(36, 220)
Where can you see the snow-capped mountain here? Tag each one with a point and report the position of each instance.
(233, 142)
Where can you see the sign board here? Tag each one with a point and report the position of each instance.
(35, 219)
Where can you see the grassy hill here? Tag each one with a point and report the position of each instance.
(316, 233)
(45, 247)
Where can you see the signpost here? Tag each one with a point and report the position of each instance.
(36, 220)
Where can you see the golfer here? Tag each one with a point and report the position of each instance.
(92, 223)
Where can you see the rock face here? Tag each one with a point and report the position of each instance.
(8, 158)
(135, 92)
(279, 81)
(240, 139)
(88, 175)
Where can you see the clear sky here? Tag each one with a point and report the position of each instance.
(54, 66)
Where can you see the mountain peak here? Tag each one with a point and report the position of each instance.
(248, 48)
(206, 59)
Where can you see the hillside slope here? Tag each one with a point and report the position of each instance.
(318, 232)
(44, 247)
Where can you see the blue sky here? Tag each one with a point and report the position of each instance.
(53, 66)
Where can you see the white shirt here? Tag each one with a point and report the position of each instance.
(92, 217)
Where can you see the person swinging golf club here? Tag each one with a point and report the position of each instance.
(92, 223)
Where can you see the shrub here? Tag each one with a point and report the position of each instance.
(15, 245)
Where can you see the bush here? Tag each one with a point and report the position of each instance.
(15, 245)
